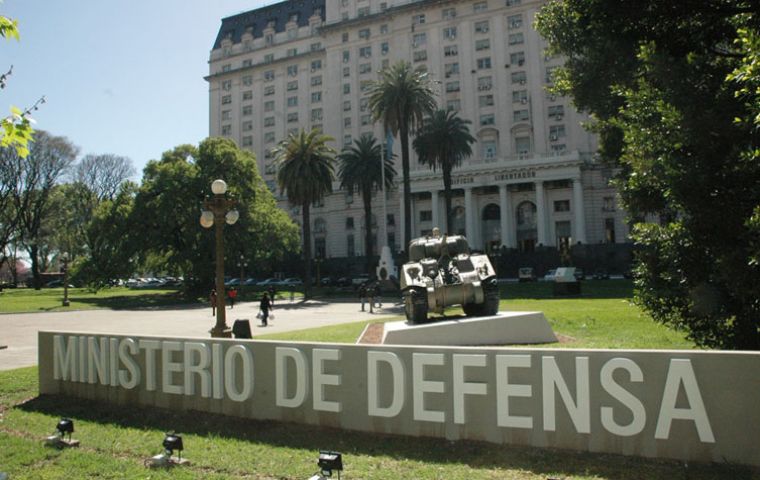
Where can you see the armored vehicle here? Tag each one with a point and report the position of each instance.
(442, 272)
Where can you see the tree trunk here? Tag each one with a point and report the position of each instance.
(404, 134)
(447, 198)
(306, 251)
(36, 280)
(367, 198)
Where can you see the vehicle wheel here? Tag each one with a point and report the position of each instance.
(473, 309)
(415, 305)
(491, 297)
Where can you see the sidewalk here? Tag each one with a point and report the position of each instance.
(19, 331)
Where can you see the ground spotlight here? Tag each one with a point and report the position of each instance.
(58, 439)
(328, 462)
(172, 443)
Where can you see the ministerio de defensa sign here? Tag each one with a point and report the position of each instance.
(687, 405)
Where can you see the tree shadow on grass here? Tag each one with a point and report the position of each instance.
(474, 454)
(147, 301)
(590, 289)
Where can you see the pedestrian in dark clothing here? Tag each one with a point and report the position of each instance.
(233, 295)
(212, 300)
(265, 306)
(362, 294)
(371, 295)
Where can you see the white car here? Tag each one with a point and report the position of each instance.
(549, 277)
(291, 282)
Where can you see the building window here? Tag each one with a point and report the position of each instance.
(426, 215)
(226, 68)
(520, 96)
(364, 85)
(383, 6)
(384, 29)
(608, 204)
(268, 90)
(350, 247)
(516, 38)
(292, 117)
(347, 139)
(450, 33)
(484, 84)
(481, 27)
(227, 85)
(452, 86)
(420, 56)
(247, 110)
(514, 21)
(247, 126)
(316, 97)
(562, 205)
(519, 78)
(347, 105)
(346, 56)
(418, 19)
(363, 11)
(556, 111)
(365, 68)
(226, 99)
(485, 100)
(522, 145)
(247, 141)
(269, 121)
(365, 52)
(366, 120)
(269, 57)
(293, 85)
(347, 122)
(451, 69)
(556, 132)
(558, 149)
(248, 95)
(449, 13)
(349, 223)
(517, 58)
(489, 150)
(344, 37)
(364, 33)
(478, 7)
(269, 106)
(316, 80)
(315, 46)
(248, 80)
(488, 119)
(484, 44)
(450, 51)
(346, 88)
(292, 101)
(520, 116)
(316, 114)
(363, 104)
(384, 48)
(269, 75)
(292, 70)
(292, 52)
(550, 74)
(484, 63)
(248, 62)
(419, 39)
(316, 65)
(226, 114)
(226, 130)
(454, 105)
(609, 230)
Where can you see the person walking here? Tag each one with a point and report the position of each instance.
(377, 294)
(265, 306)
(362, 294)
(212, 300)
(232, 294)
(371, 295)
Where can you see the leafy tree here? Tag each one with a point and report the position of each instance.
(49, 159)
(400, 98)
(673, 91)
(443, 142)
(168, 205)
(360, 170)
(305, 174)
(103, 174)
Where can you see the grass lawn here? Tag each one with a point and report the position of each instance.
(115, 442)
(603, 317)
(18, 300)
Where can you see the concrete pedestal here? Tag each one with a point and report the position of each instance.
(504, 328)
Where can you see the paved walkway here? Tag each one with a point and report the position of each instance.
(19, 331)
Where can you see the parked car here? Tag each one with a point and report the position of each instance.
(601, 274)
(549, 277)
(526, 274)
(250, 281)
(291, 282)
(268, 282)
(579, 274)
(360, 279)
(57, 284)
(234, 282)
(343, 282)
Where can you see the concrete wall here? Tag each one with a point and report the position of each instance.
(687, 405)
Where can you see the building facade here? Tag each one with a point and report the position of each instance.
(532, 181)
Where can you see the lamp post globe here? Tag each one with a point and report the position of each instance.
(219, 187)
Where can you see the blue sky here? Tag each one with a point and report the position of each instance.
(122, 77)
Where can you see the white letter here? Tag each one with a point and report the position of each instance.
(397, 372)
(638, 422)
(113, 362)
(580, 411)
(504, 390)
(168, 367)
(200, 368)
(680, 371)
(82, 358)
(321, 379)
(281, 355)
(97, 360)
(422, 386)
(461, 388)
(230, 371)
(150, 346)
(216, 367)
(126, 347)
(64, 358)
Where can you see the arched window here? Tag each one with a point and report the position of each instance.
(527, 233)
(319, 225)
(491, 226)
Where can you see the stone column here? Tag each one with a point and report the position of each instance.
(541, 214)
(470, 228)
(401, 225)
(415, 215)
(505, 207)
(434, 204)
(579, 225)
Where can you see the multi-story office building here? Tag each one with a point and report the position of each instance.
(532, 179)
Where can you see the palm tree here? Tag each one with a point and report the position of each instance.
(443, 142)
(359, 169)
(400, 99)
(305, 175)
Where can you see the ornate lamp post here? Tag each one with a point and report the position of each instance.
(217, 211)
(242, 263)
(65, 268)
